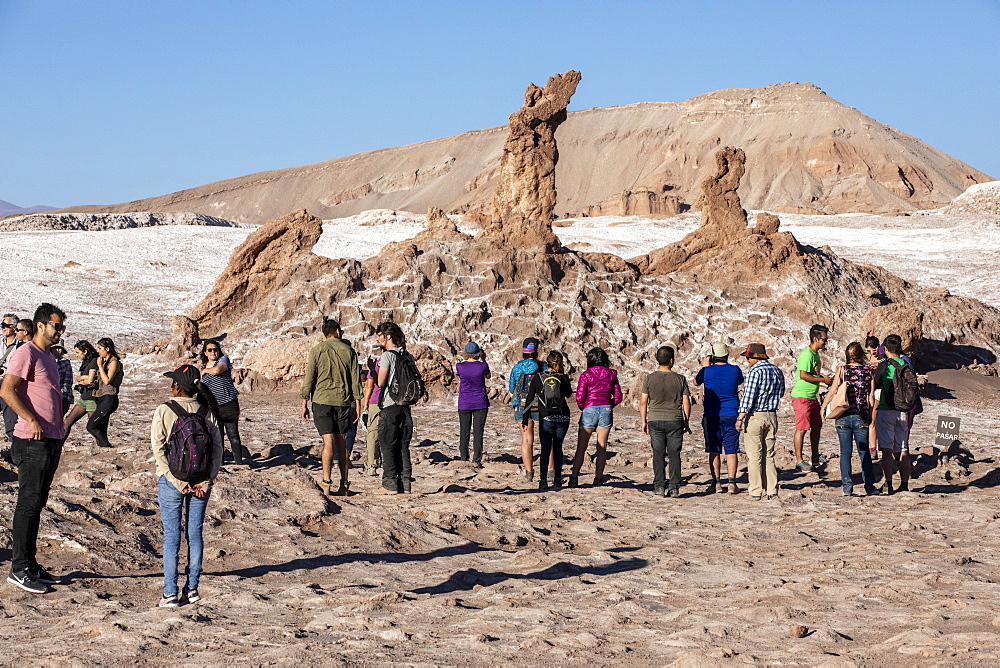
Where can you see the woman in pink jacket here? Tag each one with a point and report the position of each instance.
(597, 393)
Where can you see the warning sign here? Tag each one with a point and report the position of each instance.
(947, 431)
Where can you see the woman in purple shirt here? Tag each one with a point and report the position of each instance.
(473, 402)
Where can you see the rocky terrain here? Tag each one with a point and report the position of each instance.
(105, 221)
(805, 152)
(478, 567)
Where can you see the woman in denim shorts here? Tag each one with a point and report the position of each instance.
(597, 393)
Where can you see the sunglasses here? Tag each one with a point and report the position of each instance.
(6, 325)
(212, 350)
(20, 330)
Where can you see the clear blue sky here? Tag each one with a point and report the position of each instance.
(115, 100)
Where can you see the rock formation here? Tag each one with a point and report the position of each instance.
(977, 199)
(440, 228)
(262, 263)
(526, 192)
(767, 223)
(899, 319)
(638, 202)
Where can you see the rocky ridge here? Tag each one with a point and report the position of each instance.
(106, 221)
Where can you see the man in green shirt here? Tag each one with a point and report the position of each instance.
(333, 383)
(804, 396)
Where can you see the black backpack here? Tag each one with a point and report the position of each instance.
(552, 396)
(406, 387)
(905, 389)
(522, 388)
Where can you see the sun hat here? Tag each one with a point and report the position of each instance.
(756, 351)
(720, 350)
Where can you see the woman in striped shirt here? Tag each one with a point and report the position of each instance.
(217, 376)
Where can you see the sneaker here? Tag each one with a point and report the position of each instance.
(39, 574)
(874, 491)
(192, 596)
(168, 602)
(674, 493)
(324, 485)
(543, 485)
(477, 465)
(382, 490)
(770, 497)
(25, 581)
(848, 492)
(904, 487)
(659, 491)
(804, 466)
(598, 481)
(574, 481)
(529, 476)
(733, 489)
(552, 477)
(557, 482)
(712, 489)
(343, 490)
(406, 485)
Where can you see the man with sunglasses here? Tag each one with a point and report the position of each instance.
(805, 400)
(31, 387)
(9, 342)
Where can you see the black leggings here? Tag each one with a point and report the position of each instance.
(97, 425)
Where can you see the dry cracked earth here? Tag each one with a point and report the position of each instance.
(477, 567)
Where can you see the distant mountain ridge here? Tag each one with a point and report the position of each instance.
(805, 151)
(8, 209)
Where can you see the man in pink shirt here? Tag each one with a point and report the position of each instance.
(31, 388)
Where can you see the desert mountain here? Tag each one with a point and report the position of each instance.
(805, 152)
(8, 209)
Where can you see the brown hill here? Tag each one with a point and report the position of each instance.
(805, 152)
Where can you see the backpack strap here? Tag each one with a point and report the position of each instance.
(176, 408)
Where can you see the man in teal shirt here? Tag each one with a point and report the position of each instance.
(804, 400)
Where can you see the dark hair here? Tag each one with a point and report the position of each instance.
(555, 361)
(597, 357)
(719, 360)
(89, 353)
(893, 344)
(855, 354)
(204, 397)
(28, 326)
(816, 330)
(392, 330)
(45, 311)
(204, 345)
(110, 345)
(529, 356)
(12, 316)
(871, 342)
(665, 356)
(330, 326)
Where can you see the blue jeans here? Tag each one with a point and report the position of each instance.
(173, 508)
(551, 434)
(853, 428)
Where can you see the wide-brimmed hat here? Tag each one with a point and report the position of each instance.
(720, 350)
(185, 376)
(756, 351)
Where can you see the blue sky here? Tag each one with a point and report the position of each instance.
(110, 101)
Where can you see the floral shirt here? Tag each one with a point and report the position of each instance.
(859, 383)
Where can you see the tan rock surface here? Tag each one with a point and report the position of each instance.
(638, 202)
(440, 228)
(526, 190)
(806, 152)
(900, 319)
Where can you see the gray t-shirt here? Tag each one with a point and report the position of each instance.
(666, 390)
(388, 361)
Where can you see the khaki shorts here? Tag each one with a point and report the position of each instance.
(89, 405)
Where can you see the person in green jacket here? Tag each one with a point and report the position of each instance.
(333, 383)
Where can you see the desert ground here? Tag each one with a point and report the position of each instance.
(478, 567)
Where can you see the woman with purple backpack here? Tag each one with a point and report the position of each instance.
(182, 503)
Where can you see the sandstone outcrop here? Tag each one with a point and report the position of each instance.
(526, 191)
(260, 264)
(639, 202)
(440, 228)
(899, 319)
(767, 223)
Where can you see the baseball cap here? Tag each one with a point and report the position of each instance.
(186, 377)
(720, 350)
(756, 351)
(472, 348)
(530, 345)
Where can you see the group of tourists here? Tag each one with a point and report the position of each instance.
(874, 391)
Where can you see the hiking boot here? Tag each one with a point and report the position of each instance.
(903, 487)
(25, 580)
(324, 485)
(543, 485)
(529, 476)
(674, 493)
(382, 490)
(343, 489)
(804, 466)
(574, 481)
(598, 481)
(169, 601)
(557, 481)
(733, 489)
(192, 596)
(659, 491)
(39, 574)
(406, 485)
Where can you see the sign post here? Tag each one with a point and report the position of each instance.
(946, 434)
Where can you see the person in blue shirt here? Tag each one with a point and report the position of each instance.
(527, 367)
(722, 381)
